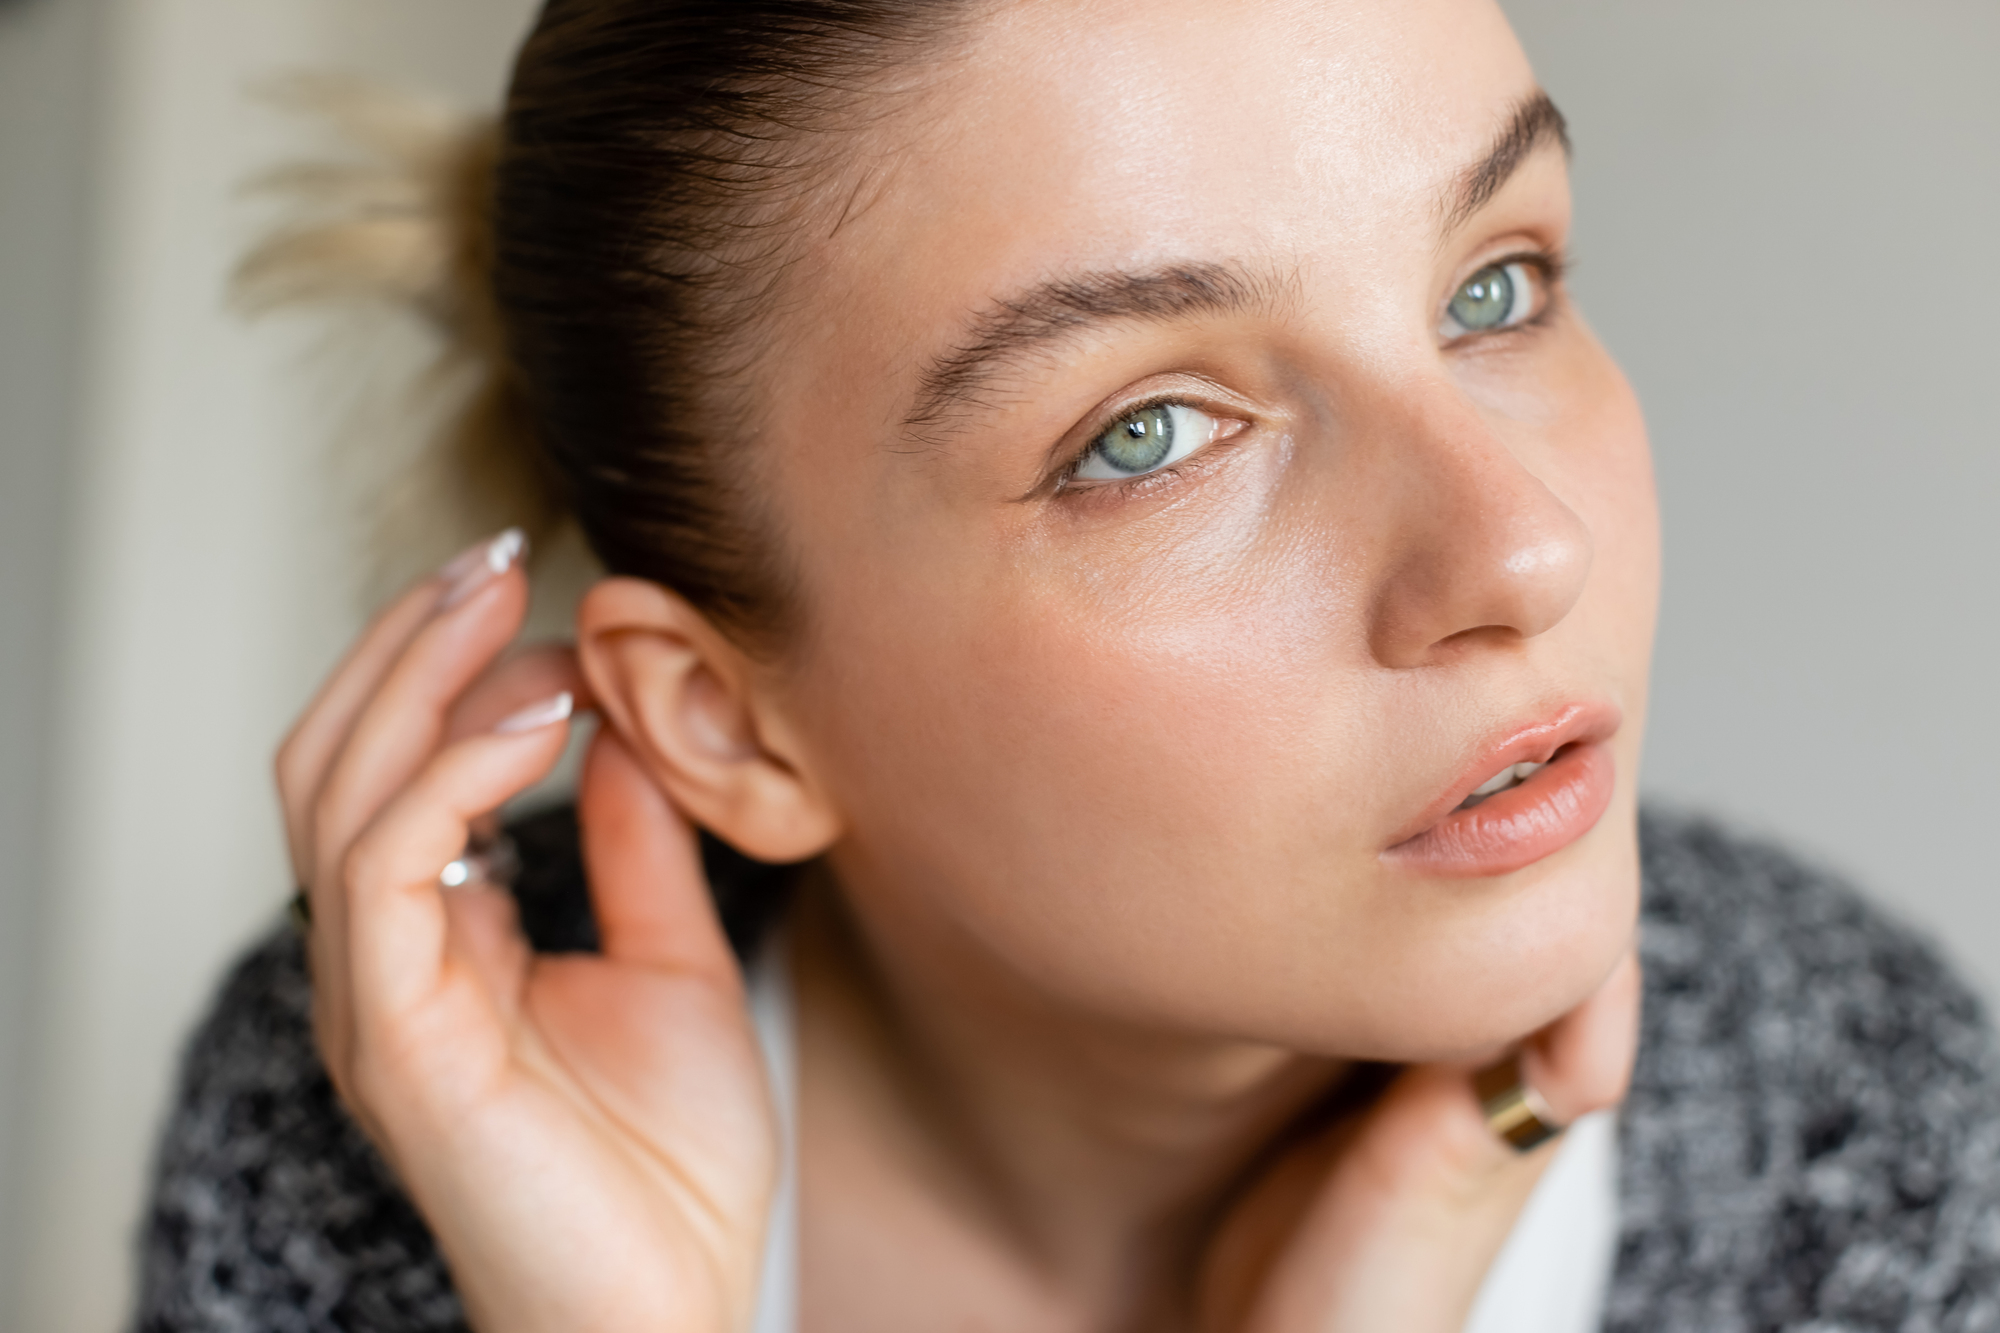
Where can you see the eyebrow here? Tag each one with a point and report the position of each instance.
(1534, 124)
(1013, 327)
(1016, 326)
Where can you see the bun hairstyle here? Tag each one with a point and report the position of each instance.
(599, 266)
(400, 225)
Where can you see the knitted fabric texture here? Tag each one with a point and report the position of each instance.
(1811, 1142)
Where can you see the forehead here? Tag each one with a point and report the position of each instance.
(1127, 134)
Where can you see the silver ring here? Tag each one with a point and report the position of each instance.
(487, 863)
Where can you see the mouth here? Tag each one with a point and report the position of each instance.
(1506, 779)
(1527, 796)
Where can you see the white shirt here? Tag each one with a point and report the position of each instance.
(1550, 1277)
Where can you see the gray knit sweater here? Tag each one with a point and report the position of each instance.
(1812, 1140)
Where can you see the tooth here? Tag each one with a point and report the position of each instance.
(1522, 772)
(1498, 782)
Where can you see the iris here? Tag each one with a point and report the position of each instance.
(1140, 442)
(1486, 301)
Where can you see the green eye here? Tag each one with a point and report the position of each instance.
(1497, 296)
(1139, 442)
(1145, 441)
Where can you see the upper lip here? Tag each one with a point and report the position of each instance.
(1577, 723)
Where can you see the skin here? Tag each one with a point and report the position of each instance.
(1101, 779)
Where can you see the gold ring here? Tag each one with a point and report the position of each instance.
(1513, 1109)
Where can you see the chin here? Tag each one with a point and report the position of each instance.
(1501, 960)
(1554, 952)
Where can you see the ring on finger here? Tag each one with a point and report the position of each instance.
(1512, 1107)
(486, 862)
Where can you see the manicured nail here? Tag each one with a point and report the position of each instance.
(537, 715)
(472, 570)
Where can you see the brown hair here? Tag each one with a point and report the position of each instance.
(599, 263)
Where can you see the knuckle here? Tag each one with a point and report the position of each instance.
(362, 864)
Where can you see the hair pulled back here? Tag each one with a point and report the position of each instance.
(600, 261)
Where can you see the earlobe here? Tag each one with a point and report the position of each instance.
(687, 703)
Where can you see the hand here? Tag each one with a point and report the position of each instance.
(590, 1138)
(1391, 1220)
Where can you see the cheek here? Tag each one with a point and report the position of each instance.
(1615, 493)
(1089, 713)
(1083, 763)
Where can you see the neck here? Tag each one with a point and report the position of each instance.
(1087, 1154)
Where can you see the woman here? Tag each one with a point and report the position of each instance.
(1117, 496)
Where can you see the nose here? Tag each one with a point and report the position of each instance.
(1480, 548)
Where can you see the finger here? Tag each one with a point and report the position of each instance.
(396, 731)
(1582, 1062)
(398, 921)
(644, 861)
(301, 767)
(482, 932)
(519, 678)
(401, 725)
(308, 749)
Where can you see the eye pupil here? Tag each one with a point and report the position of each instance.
(1485, 301)
(1139, 443)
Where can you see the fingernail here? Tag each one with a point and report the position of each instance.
(473, 569)
(537, 715)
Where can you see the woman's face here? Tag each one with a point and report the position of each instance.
(1199, 484)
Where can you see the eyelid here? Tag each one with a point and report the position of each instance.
(1551, 260)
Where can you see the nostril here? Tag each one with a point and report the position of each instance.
(1478, 633)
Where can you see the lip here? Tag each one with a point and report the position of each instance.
(1520, 826)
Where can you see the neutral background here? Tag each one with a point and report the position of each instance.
(1786, 232)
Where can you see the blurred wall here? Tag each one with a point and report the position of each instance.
(1784, 215)
(177, 575)
(1786, 228)
(47, 58)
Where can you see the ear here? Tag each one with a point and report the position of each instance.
(687, 702)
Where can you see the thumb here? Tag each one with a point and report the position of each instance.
(643, 860)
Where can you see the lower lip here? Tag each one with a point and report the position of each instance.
(1511, 831)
